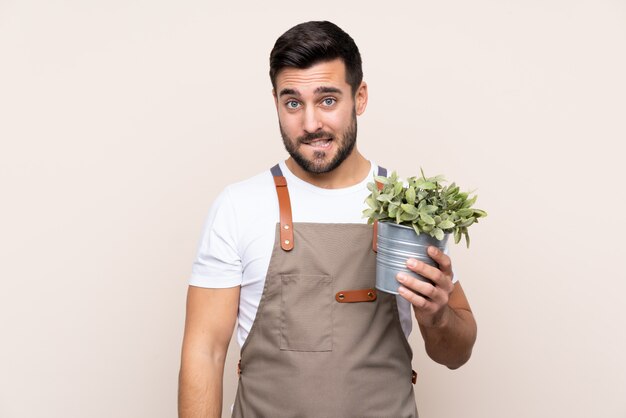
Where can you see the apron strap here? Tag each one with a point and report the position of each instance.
(284, 207)
(381, 172)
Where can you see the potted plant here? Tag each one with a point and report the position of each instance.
(412, 215)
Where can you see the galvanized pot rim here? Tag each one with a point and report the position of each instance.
(393, 223)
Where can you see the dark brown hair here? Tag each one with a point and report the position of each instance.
(313, 42)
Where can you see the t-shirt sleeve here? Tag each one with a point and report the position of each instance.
(218, 263)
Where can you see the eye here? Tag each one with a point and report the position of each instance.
(329, 101)
(292, 104)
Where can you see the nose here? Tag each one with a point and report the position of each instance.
(312, 121)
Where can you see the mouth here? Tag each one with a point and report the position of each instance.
(322, 143)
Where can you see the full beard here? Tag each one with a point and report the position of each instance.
(318, 164)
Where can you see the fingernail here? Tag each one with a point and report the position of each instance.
(401, 278)
(432, 250)
(411, 262)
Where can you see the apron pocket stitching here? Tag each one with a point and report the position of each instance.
(306, 312)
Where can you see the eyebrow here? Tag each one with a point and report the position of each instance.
(322, 89)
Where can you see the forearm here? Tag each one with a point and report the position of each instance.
(200, 386)
(450, 341)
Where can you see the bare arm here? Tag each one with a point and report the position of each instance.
(450, 341)
(211, 317)
(443, 312)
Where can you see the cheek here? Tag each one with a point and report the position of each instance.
(288, 123)
(338, 121)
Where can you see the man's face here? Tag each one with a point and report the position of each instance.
(317, 115)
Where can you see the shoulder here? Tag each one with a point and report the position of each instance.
(249, 203)
(237, 201)
(253, 187)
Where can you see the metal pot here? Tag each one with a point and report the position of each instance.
(396, 244)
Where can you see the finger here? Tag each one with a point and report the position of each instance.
(419, 302)
(426, 289)
(444, 261)
(427, 271)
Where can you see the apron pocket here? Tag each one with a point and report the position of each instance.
(306, 320)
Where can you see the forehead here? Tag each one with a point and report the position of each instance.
(329, 73)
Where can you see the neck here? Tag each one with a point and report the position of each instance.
(351, 171)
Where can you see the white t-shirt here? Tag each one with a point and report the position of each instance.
(238, 235)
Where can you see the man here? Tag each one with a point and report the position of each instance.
(284, 251)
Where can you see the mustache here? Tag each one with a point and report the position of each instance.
(313, 136)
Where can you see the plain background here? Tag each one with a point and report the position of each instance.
(120, 121)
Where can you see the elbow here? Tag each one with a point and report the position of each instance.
(458, 362)
(463, 352)
(452, 359)
(453, 346)
(464, 356)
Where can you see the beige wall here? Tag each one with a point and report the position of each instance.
(121, 121)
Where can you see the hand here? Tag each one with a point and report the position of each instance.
(431, 309)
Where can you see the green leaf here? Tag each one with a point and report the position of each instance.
(427, 218)
(479, 213)
(410, 195)
(397, 189)
(464, 213)
(447, 224)
(408, 217)
(416, 229)
(470, 202)
(368, 213)
(371, 203)
(399, 215)
(381, 179)
(438, 233)
(430, 209)
(466, 222)
(384, 198)
(409, 208)
(450, 190)
(428, 185)
(457, 235)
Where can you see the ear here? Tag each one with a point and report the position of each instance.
(360, 98)
(275, 98)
